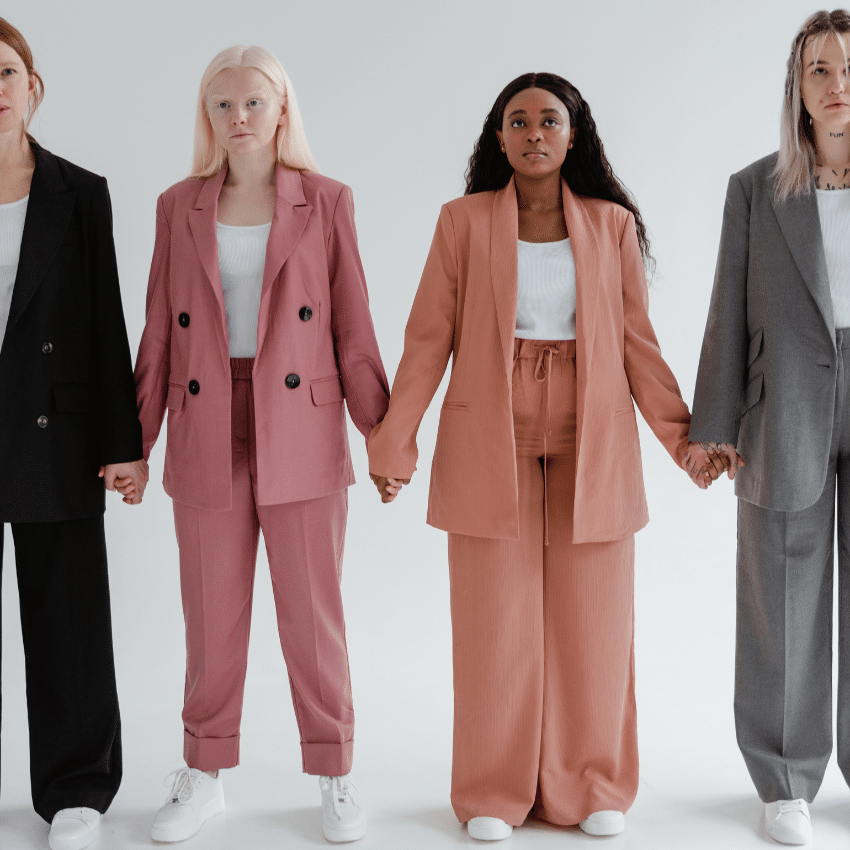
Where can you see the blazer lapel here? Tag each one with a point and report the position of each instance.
(291, 212)
(586, 251)
(202, 222)
(503, 267)
(49, 211)
(800, 224)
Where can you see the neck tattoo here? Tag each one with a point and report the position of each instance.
(835, 182)
(836, 135)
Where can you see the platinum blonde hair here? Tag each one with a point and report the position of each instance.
(292, 149)
(797, 151)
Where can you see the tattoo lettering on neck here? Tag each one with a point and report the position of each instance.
(836, 135)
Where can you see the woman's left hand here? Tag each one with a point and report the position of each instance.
(703, 466)
(389, 488)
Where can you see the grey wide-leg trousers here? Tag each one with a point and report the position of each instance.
(783, 663)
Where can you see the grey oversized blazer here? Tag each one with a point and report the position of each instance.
(768, 369)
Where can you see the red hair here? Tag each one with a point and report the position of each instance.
(11, 36)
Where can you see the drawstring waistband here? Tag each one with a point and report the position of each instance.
(241, 368)
(543, 372)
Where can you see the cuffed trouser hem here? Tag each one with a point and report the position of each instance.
(327, 759)
(210, 753)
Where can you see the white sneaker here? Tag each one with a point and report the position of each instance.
(343, 815)
(73, 829)
(488, 829)
(788, 821)
(195, 797)
(606, 822)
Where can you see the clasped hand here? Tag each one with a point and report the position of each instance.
(388, 487)
(704, 462)
(129, 479)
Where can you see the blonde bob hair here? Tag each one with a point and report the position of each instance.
(797, 152)
(292, 149)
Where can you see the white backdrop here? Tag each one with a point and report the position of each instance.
(393, 95)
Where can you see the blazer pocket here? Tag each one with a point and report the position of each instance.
(755, 347)
(624, 411)
(752, 393)
(72, 398)
(326, 390)
(176, 394)
(456, 405)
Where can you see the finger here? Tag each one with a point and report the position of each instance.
(100, 472)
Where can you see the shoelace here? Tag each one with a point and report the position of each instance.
(74, 814)
(784, 806)
(338, 787)
(182, 789)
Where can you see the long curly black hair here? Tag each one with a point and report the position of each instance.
(586, 168)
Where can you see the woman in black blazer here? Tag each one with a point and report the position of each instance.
(68, 425)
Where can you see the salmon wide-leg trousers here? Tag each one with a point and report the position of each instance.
(544, 713)
(218, 550)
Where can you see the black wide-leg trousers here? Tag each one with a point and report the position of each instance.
(72, 703)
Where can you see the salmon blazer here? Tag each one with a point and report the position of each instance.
(466, 307)
(314, 330)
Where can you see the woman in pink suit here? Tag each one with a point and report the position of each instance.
(535, 287)
(258, 327)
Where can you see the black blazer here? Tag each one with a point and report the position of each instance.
(67, 397)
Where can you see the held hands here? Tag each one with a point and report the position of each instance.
(129, 479)
(388, 487)
(704, 462)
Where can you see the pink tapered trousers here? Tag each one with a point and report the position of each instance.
(543, 634)
(218, 550)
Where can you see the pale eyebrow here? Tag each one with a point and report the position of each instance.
(248, 96)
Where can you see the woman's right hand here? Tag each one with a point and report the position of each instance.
(733, 461)
(388, 487)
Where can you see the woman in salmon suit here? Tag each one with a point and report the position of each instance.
(258, 328)
(535, 286)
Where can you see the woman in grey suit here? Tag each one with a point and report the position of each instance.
(774, 388)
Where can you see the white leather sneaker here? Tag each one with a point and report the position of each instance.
(788, 821)
(606, 822)
(343, 815)
(488, 829)
(73, 829)
(195, 797)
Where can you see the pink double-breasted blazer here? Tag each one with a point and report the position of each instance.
(466, 307)
(315, 346)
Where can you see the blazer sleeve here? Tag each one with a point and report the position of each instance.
(723, 360)
(428, 340)
(121, 437)
(364, 381)
(652, 384)
(153, 363)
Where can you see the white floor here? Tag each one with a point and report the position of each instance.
(695, 793)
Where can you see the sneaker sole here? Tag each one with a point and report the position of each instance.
(180, 832)
(72, 843)
(489, 833)
(788, 836)
(603, 829)
(340, 836)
